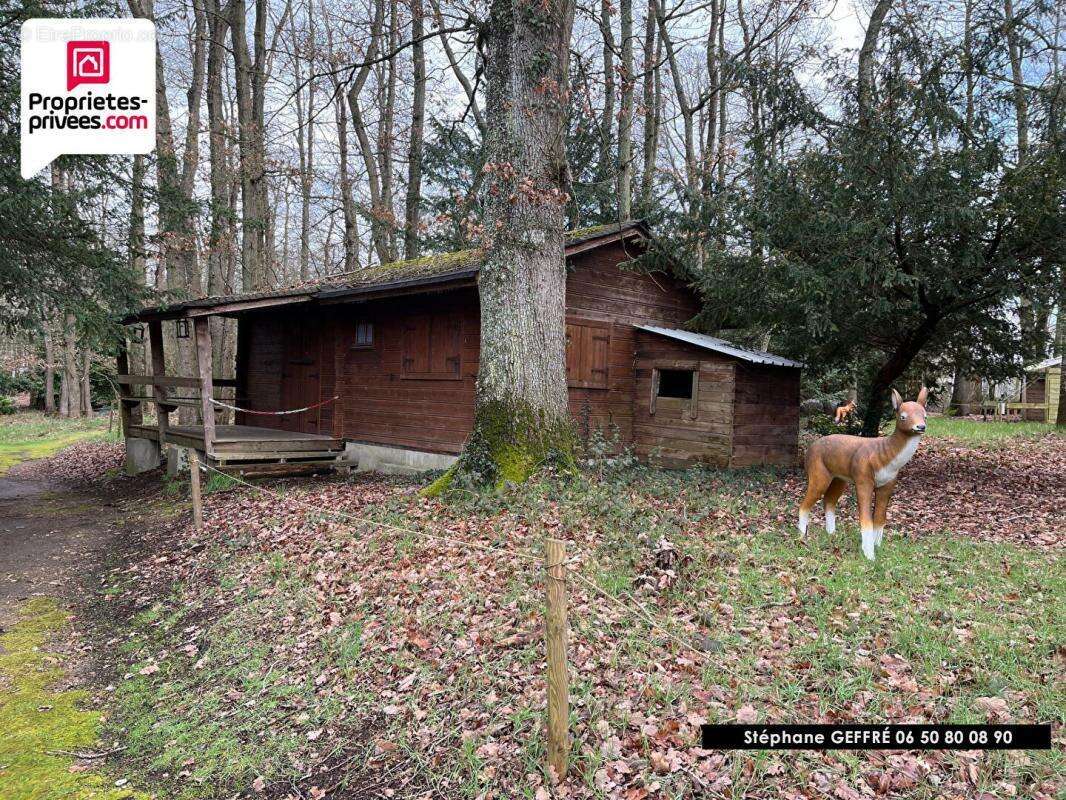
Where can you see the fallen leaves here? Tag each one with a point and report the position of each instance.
(995, 708)
(435, 648)
(747, 715)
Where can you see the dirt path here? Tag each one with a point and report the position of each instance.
(53, 538)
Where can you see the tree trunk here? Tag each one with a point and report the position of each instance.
(1021, 103)
(305, 139)
(652, 93)
(221, 239)
(890, 371)
(625, 115)
(49, 370)
(378, 227)
(606, 170)
(386, 128)
(86, 383)
(521, 415)
(1060, 350)
(351, 223)
(71, 389)
(692, 183)
(250, 139)
(867, 59)
(965, 392)
(138, 255)
(414, 150)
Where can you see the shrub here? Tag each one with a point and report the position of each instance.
(7, 405)
(825, 424)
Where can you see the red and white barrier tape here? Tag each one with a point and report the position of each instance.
(274, 413)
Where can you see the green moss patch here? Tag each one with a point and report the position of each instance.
(511, 441)
(24, 437)
(39, 724)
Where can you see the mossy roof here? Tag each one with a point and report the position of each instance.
(430, 268)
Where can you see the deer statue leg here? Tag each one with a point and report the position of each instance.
(864, 491)
(832, 496)
(882, 494)
(818, 480)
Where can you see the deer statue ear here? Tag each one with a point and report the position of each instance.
(897, 401)
(923, 395)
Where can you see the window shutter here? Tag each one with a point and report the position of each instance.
(588, 349)
(432, 347)
(416, 346)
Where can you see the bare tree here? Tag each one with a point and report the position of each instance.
(652, 99)
(305, 137)
(379, 214)
(418, 119)
(607, 119)
(625, 114)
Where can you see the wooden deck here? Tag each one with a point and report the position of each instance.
(247, 449)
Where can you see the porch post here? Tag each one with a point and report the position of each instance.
(202, 329)
(159, 370)
(129, 412)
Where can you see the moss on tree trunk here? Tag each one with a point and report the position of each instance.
(511, 441)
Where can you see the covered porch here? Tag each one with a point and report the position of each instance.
(242, 449)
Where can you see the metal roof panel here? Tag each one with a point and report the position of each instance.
(722, 346)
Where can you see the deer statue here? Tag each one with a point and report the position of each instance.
(871, 464)
(842, 412)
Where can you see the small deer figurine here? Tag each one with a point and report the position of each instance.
(843, 410)
(871, 464)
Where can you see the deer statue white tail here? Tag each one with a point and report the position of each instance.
(871, 464)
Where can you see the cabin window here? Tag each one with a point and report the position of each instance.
(675, 388)
(677, 383)
(364, 335)
(431, 347)
(588, 346)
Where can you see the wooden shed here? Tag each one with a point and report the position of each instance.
(1040, 392)
(702, 398)
(383, 362)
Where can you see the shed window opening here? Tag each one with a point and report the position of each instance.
(364, 334)
(676, 383)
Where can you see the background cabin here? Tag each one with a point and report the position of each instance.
(1039, 400)
(385, 360)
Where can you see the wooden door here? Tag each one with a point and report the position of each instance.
(301, 377)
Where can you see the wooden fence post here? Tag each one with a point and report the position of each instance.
(194, 487)
(558, 677)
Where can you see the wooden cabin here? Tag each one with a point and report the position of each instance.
(1040, 391)
(385, 361)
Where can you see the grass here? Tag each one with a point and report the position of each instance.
(994, 431)
(800, 628)
(40, 725)
(175, 714)
(31, 434)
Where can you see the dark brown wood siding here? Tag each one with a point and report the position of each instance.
(766, 415)
(414, 385)
(1035, 392)
(676, 432)
(262, 350)
(599, 290)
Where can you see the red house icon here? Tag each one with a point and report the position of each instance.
(88, 62)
